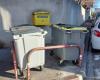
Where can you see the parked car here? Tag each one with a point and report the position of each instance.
(95, 35)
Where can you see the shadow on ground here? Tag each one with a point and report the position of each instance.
(5, 70)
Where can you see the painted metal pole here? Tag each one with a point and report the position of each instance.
(51, 47)
(14, 61)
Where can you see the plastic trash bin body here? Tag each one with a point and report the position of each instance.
(76, 38)
(58, 38)
(24, 41)
(70, 37)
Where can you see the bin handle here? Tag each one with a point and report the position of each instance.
(68, 31)
(44, 32)
(85, 31)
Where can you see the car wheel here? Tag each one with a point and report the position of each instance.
(92, 49)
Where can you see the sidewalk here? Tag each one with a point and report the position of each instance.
(51, 70)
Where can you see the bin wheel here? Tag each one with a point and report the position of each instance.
(26, 79)
(41, 68)
(22, 74)
(51, 53)
(60, 62)
(75, 62)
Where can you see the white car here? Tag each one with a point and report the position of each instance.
(95, 35)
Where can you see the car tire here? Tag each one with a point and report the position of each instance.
(92, 49)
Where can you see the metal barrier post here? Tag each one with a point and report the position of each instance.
(14, 61)
(51, 47)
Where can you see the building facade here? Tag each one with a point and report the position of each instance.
(17, 12)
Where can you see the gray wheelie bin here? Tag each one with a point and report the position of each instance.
(71, 35)
(25, 38)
